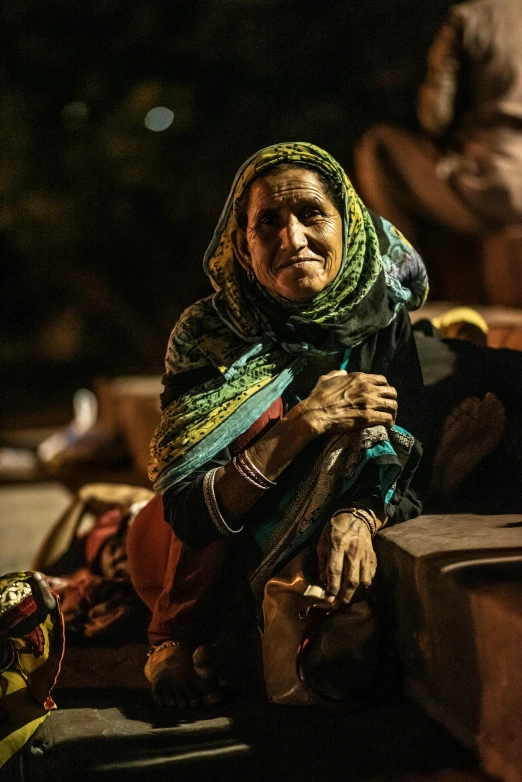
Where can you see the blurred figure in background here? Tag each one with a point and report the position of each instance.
(462, 176)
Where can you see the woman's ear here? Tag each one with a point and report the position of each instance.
(240, 245)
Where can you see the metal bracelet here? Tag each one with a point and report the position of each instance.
(246, 460)
(361, 506)
(212, 504)
(242, 470)
(358, 513)
(366, 519)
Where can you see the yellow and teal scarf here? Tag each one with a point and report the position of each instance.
(232, 354)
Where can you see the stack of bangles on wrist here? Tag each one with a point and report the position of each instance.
(247, 469)
(366, 515)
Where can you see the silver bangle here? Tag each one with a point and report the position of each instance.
(245, 457)
(368, 518)
(212, 504)
(248, 476)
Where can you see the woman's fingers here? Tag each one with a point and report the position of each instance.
(353, 564)
(334, 570)
(353, 574)
(342, 400)
(334, 373)
(377, 380)
(367, 418)
(359, 566)
(368, 568)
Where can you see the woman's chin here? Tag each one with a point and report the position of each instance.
(300, 285)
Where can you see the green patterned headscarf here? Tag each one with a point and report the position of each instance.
(231, 355)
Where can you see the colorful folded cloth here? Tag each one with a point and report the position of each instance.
(31, 651)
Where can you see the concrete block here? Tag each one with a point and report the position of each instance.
(455, 586)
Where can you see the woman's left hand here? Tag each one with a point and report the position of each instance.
(346, 557)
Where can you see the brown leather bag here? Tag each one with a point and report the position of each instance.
(313, 655)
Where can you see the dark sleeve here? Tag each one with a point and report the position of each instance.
(392, 353)
(185, 508)
(414, 415)
(407, 499)
(404, 373)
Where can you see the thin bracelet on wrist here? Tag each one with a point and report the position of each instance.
(246, 459)
(369, 519)
(358, 506)
(246, 468)
(362, 506)
(241, 469)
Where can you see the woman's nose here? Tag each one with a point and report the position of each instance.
(293, 236)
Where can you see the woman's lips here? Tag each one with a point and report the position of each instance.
(299, 262)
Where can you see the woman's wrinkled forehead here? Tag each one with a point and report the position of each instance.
(299, 154)
(280, 158)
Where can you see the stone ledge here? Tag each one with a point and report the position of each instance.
(455, 585)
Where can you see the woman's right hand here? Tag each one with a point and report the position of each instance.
(342, 401)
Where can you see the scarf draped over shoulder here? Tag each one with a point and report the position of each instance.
(232, 354)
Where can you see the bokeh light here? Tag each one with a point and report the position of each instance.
(74, 113)
(159, 118)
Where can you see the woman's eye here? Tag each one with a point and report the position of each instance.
(312, 213)
(268, 220)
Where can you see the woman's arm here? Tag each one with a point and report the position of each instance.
(345, 550)
(339, 402)
(200, 511)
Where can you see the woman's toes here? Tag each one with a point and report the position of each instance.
(460, 424)
(493, 406)
(467, 408)
(212, 698)
(494, 421)
(202, 664)
(472, 431)
(163, 699)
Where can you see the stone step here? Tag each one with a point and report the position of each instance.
(455, 586)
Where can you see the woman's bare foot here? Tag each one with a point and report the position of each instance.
(471, 432)
(176, 680)
(226, 660)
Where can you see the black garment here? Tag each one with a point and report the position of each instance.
(454, 370)
(390, 352)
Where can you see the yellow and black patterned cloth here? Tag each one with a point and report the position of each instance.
(31, 650)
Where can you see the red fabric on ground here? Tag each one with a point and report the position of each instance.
(106, 525)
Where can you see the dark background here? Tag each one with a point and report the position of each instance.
(103, 223)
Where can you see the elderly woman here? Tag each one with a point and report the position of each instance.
(283, 395)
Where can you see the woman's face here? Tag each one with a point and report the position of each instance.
(293, 242)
